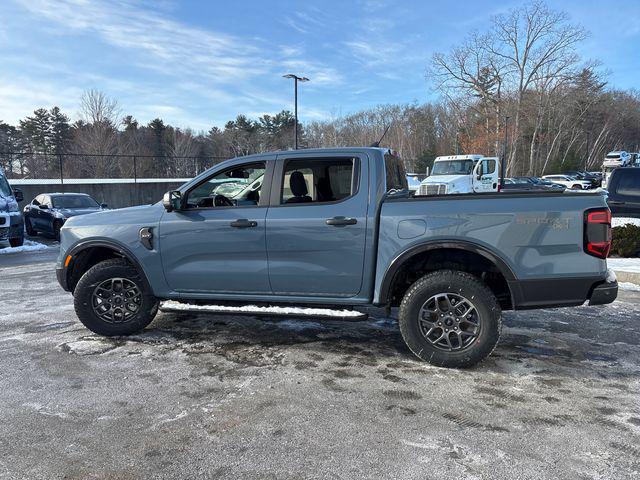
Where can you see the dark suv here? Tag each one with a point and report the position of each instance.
(624, 192)
(11, 222)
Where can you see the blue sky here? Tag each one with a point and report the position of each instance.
(200, 63)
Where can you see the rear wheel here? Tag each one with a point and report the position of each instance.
(575, 186)
(27, 225)
(450, 319)
(112, 299)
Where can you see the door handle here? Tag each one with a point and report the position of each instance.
(616, 202)
(340, 221)
(243, 223)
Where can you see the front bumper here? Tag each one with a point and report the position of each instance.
(11, 226)
(61, 276)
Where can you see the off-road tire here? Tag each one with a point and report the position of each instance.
(29, 228)
(458, 283)
(83, 296)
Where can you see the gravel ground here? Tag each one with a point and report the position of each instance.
(220, 396)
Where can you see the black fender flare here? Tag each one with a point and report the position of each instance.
(117, 247)
(394, 267)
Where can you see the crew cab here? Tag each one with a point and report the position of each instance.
(339, 227)
(624, 192)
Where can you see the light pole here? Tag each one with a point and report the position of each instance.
(296, 79)
(503, 164)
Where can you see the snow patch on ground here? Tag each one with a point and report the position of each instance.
(315, 312)
(629, 286)
(624, 264)
(620, 221)
(29, 246)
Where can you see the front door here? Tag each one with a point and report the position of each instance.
(485, 176)
(215, 243)
(317, 224)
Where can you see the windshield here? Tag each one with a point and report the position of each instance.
(453, 167)
(74, 201)
(5, 190)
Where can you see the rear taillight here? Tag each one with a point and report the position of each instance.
(597, 232)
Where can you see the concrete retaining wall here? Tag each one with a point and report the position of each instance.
(116, 193)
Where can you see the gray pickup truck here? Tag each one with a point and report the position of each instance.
(339, 228)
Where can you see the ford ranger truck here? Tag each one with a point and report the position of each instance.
(338, 227)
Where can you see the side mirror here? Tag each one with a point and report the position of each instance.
(44, 206)
(172, 200)
(17, 193)
(104, 205)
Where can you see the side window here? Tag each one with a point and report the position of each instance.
(46, 200)
(318, 180)
(396, 176)
(37, 201)
(236, 187)
(629, 184)
(488, 167)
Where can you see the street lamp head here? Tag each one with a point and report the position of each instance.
(300, 79)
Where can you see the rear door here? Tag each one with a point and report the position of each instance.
(317, 223)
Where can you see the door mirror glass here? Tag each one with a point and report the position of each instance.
(44, 206)
(17, 193)
(104, 205)
(172, 200)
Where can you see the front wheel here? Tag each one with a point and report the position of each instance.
(16, 242)
(450, 319)
(112, 299)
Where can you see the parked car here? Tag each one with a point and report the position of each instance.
(520, 184)
(528, 184)
(547, 183)
(339, 227)
(624, 192)
(49, 211)
(582, 175)
(11, 221)
(569, 182)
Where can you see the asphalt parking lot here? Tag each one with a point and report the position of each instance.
(219, 396)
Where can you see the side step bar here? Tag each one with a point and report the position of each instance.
(329, 313)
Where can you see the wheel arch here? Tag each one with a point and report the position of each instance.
(86, 254)
(429, 250)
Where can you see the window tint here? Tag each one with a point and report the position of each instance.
(317, 180)
(629, 183)
(488, 167)
(236, 187)
(74, 201)
(396, 175)
(5, 190)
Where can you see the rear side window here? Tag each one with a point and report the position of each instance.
(395, 173)
(318, 180)
(629, 183)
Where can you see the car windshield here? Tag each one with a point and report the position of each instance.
(74, 201)
(5, 190)
(453, 167)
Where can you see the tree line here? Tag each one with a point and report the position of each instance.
(518, 91)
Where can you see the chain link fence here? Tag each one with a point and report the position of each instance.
(68, 166)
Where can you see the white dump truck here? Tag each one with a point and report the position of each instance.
(461, 174)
